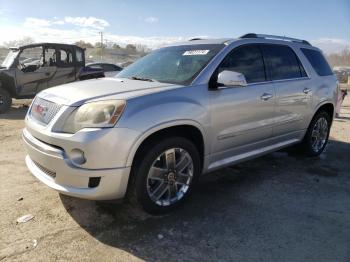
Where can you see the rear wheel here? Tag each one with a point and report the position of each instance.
(316, 137)
(5, 101)
(164, 177)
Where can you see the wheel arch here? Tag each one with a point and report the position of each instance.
(325, 106)
(7, 83)
(188, 129)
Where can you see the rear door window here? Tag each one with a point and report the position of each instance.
(282, 62)
(49, 56)
(246, 60)
(66, 58)
(317, 61)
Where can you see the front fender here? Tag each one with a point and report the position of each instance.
(151, 113)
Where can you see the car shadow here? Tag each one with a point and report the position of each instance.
(228, 209)
(342, 118)
(15, 113)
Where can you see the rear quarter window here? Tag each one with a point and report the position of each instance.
(317, 61)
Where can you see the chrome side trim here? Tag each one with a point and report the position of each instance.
(251, 154)
(280, 81)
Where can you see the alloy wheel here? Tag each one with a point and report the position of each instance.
(170, 176)
(319, 134)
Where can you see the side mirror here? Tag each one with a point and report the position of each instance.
(231, 79)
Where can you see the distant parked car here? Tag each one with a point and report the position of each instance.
(109, 69)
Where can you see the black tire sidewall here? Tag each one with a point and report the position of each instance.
(7, 101)
(142, 169)
(307, 143)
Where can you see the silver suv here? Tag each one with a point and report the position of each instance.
(180, 111)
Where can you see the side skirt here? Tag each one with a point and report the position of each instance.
(250, 155)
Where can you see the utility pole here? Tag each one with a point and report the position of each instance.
(101, 33)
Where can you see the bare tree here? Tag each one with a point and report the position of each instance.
(339, 59)
(24, 41)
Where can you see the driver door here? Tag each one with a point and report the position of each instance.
(242, 117)
(31, 74)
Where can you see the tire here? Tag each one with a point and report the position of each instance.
(317, 124)
(5, 101)
(157, 185)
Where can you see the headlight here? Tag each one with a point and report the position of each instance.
(94, 114)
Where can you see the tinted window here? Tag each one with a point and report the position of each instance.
(317, 61)
(246, 60)
(283, 62)
(108, 67)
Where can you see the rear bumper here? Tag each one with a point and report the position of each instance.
(52, 167)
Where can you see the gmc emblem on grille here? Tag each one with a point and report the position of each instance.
(40, 110)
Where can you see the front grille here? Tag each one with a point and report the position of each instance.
(45, 170)
(44, 111)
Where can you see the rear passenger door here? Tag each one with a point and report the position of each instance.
(293, 93)
(65, 72)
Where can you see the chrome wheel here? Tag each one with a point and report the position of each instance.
(170, 176)
(319, 134)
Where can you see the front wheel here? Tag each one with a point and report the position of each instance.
(5, 101)
(316, 137)
(164, 177)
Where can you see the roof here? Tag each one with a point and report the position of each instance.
(201, 41)
(46, 44)
(251, 37)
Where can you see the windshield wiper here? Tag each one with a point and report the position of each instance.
(142, 78)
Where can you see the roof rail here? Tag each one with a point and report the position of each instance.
(276, 37)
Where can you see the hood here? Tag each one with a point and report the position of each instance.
(75, 94)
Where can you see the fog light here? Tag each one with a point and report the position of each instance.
(94, 181)
(77, 156)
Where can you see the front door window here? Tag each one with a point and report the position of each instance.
(31, 59)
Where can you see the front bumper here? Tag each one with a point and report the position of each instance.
(51, 165)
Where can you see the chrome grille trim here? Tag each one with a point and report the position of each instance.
(47, 110)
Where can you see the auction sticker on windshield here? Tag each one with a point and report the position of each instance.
(196, 52)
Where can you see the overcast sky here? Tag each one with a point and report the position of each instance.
(154, 23)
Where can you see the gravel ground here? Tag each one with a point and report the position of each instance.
(280, 207)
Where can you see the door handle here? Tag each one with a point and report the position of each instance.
(47, 73)
(266, 96)
(307, 90)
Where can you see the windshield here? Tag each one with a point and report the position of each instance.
(9, 58)
(175, 65)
